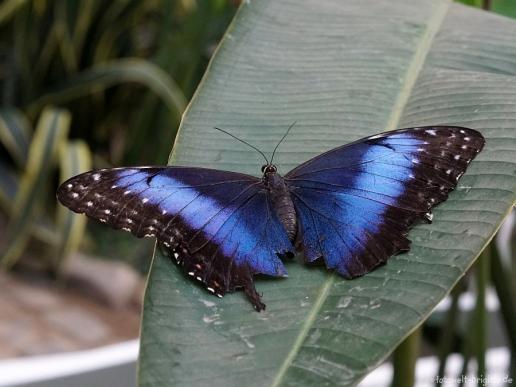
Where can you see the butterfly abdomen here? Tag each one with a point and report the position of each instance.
(282, 202)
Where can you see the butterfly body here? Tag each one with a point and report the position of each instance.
(281, 200)
(351, 207)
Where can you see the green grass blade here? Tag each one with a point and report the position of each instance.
(65, 43)
(85, 17)
(113, 73)
(8, 8)
(75, 158)
(8, 187)
(15, 134)
(51, 131)
(343, 70)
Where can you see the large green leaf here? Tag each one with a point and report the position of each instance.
(342, 70)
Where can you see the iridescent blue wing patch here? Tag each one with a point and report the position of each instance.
(355, 203)
(219, 226)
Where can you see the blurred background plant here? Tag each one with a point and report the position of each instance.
(89, 83)
(120, 72)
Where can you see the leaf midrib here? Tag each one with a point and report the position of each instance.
(413, 70)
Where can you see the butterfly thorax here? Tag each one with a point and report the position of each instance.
(281, 201)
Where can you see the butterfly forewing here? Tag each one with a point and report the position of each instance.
(206, 219)
(356, 203)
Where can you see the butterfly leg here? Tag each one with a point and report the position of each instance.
(254, 297)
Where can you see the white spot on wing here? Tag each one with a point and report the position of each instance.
(127, 192)
(145, 200)
(89, 204)
(75, 195)
(456, 157)
(96, 176)
(69, 185)
(467, 138)
(107, 211)
(431, 132)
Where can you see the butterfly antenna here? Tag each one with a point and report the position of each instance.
(282, 138)
(244, 142)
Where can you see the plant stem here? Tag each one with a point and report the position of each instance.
(404, 360)
(507, 295)
(446, 342)
(480, 314)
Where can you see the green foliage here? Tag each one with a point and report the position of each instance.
(67, 53)
(113, 66)
(503, 7)
(342, 72)
(24, 186)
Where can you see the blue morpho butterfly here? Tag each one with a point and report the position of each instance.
(350, 207)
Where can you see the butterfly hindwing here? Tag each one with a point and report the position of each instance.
(356, 203)
(206, 219)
